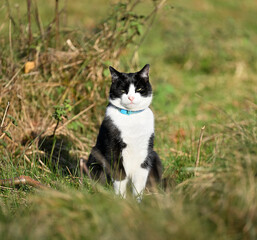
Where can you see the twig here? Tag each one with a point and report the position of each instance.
(56, 126)
(5, 112)
(9, 13)
(157, 7)
(22, 180)
(87, 171)
(70, 65)
(151, 15)
(35, 151)
(29, 23)
(133, 6)
(14, 76)
(70, 44)
(38, 21)
(56, 24)
(81, 163)
(27, 159)
(44, 167)
(10, 39)
(83, 168)
(6, 129)
(69, 172)
(198, 150)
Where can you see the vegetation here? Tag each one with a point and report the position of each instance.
(54, 86)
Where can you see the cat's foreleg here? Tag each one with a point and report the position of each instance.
(120, 187)
(139, 179)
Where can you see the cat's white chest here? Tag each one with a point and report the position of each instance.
(136, 130)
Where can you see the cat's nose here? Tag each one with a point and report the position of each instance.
(131, 98)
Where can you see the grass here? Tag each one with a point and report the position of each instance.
(203, 71)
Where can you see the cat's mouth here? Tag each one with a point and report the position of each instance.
(128, 104)
(131, 106)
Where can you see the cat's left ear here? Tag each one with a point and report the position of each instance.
(144, 72)
(115, 74)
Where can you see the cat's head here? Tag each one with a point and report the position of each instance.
(131, 91)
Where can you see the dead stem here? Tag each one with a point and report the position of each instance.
(150, 18)
(56, 24)
(10, 39)
(81, 163)
(44, 167)
(69, 172)
(198, 150)
(29, 23)
(14, 76)
(6, 129)
(5, 112)
(84, 167)
(22, 180)
(38, 21)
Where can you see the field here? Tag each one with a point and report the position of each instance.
(54, 87)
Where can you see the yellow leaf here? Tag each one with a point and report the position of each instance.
(29, 66)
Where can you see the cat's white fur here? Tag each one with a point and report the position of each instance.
(139, 102)
(136, 130)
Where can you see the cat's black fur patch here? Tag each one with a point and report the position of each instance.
(153, 162)
(106, 155)
(123, 80)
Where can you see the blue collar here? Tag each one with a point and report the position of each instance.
(125, 111)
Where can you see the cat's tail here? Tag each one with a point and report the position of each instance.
(99, 168)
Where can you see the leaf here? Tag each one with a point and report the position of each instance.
(29, 66)
(13, 120)
(3, 143)
(8, 134)
(138, 26)
(140, 29)
(67, 106)
(106, 72)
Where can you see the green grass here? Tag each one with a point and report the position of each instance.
(203, 71)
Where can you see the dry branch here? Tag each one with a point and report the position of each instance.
(198, 150)
(14, 76)
(5, 112)
(22, 180)
(29, 23)
(57, 23)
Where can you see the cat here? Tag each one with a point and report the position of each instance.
(124, 147)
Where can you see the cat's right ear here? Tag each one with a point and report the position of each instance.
(115, 74)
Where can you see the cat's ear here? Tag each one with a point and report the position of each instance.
(144, 72)
(115, 74)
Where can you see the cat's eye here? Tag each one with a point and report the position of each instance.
(139, 90)
(123, 91)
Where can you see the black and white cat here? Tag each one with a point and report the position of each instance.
(124, 148)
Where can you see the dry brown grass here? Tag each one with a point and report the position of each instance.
(41, 72)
